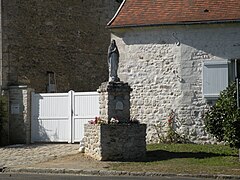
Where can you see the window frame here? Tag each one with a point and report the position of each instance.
(206, 64)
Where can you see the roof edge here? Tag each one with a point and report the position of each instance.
(177, 23)
(115, 15)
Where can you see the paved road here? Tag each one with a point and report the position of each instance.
(75, 177)
(19, 155)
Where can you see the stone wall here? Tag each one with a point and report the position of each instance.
(163, 65)
(4, 128)
(114, 101)
(1, 75)
(19, 115)
(67, 37)
(115, 141)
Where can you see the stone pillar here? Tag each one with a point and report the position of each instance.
(4, 128)
(19, 114)
(115, 101)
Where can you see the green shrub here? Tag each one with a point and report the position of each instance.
(167, 133)
(223, 119)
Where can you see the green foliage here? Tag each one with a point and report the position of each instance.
(185, 158)
(197, 148)
(172, 136)
(223, 119)
(167, 132)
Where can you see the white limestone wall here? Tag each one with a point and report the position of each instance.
(164, 67)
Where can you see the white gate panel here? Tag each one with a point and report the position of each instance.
(60, 117)
(53, 105)
(51, 120)
(52, 130)
(85, 108)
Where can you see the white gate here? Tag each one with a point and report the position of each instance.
(60, 117)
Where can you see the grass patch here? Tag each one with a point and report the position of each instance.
(186, 158)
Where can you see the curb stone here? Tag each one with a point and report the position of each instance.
(110, 173)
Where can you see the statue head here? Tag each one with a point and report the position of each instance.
(113, 42)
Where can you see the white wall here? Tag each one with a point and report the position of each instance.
(164, 67)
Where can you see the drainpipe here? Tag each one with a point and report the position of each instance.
(237, 83)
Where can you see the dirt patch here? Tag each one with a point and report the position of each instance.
(75, 161)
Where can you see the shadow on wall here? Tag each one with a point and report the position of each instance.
(220, 41)
(42, 133)
(38, 131)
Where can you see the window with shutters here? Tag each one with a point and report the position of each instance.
(215, 78)
(217, 74)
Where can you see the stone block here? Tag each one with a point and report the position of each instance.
(122, 142)
(115, 101)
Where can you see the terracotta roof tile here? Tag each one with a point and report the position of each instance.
(156, 12)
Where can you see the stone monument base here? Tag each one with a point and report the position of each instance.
(114, 101)
(124, 142)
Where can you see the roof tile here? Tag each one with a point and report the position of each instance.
(156, 12)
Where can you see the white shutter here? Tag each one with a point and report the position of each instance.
(215, 78)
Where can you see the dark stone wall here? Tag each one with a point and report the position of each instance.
(65, 36)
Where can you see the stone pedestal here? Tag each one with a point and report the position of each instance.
(115, 141)
(115, 101)
(119, 140)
